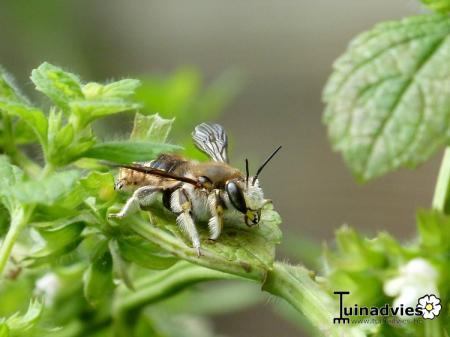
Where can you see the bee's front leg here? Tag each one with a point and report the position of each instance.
(215, 224)
(181, 205)
(143, 196)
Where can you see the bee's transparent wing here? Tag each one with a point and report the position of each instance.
(212, 139)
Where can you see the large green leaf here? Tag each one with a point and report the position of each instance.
(60, 86)
(240, 250)
(128, 152)
(388, 100)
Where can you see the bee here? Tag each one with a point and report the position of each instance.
(196, 191)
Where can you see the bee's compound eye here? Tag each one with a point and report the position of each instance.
(236, 196)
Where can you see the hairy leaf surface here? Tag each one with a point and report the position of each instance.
(388, 100)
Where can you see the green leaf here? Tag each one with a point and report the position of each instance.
(97, 279)
(120, 89)
(59, 240)
(60, 86)
(151, 128)
(18, 323)
(441, 6)
(87, 111)
(46, 191)
(145, 254)
(128, 152)
(34, 117)
(240, 250)
(388, 99)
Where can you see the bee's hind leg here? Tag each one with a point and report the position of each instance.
(181, 205)
(143, 196)
(215, 223)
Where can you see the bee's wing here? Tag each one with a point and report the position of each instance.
(212, 139)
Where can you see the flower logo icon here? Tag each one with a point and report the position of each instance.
(430, 305)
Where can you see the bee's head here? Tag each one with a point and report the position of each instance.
(247, 199)
(246, 195)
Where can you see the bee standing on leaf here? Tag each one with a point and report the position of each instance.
(196, 191)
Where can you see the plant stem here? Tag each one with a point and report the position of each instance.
(296, 285)
(432, 328)
(159, 285)
(18, 220)
(442, 189)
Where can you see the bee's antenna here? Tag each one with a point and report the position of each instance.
(264, 164)
(247, 174)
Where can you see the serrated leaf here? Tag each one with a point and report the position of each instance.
(46, 191)
(152, 128)
(97, 279)
(18, 323)
(60, 86)
(128, 152)
(119, 89)
(33, 117)
(59, 240)
(388, 99)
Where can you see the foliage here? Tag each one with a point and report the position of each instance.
(387, 106)
(95, 276)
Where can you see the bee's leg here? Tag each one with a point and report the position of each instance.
(215, 223)
(143, 196)
(181, 205)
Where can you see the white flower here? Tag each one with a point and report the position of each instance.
(416, 278)
(48, 286)
(430, 305)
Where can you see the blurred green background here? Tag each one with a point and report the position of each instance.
(273, 57)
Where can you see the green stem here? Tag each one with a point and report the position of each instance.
(8, 137)
(442, 189)
(19, 219)
(160, 285)
(433, 328)
(295, 284)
